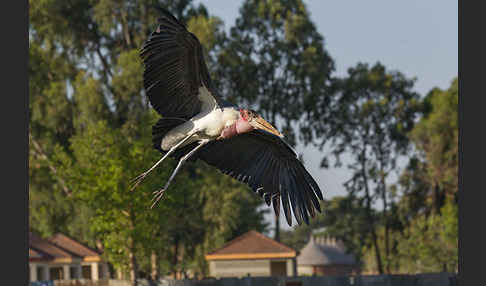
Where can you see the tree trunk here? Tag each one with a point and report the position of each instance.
(437, 198)
(119, 274)
(155, 266)
(369, 215)
(387, 238)
(133, 265)
(99, 245)
(175, 258)
(373, 232)
(385, 220)
(182, 270)
(126, 29)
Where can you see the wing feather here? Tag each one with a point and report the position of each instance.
(284, 194)
(271, 168)
(174, 69)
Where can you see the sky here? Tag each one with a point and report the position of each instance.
(416, 37)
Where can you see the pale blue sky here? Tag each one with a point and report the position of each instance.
(416, 37)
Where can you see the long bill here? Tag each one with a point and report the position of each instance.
(260, 123)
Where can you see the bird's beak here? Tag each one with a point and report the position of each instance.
(260, 123)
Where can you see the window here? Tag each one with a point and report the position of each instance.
(86, 271)
(40, 274)
(55, 273)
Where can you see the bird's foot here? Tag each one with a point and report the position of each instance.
(157, 196)
(137, 180)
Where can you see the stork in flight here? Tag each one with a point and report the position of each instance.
(197, 123)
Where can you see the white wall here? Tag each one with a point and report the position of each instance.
(239, 268)
(304, 270)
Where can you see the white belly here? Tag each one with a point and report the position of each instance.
(207, 125)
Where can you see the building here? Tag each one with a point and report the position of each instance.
(325, 256)
(252, 254)
(62, 258)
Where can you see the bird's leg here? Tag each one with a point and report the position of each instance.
(137, 180)
(158, 194)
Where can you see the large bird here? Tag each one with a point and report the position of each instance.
(197, 124)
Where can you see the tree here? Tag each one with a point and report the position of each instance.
(430, 243)
(90, 133)
(343, 218)
(346, 219)
(373, 110)
(436, 139)
(51, 110)
(429, 187)
(275, 62)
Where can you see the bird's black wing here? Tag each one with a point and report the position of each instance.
(174, 69)
(271, 168)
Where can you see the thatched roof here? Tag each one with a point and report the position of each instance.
(324, 252)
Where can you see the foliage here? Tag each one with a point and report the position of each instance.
(343, 218)
(373, 111)
(436, 139)
(430, 244)
(429, 186)
(270, 61)
(90, 126)
(90, 133)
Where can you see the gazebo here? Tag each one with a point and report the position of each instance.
(325, 256)
(252, 254)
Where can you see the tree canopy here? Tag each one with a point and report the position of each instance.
(90, 134)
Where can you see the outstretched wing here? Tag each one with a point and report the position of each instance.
(174, 69)
(271, 168)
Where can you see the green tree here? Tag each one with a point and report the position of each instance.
(274, 61)
(373, 110)
(90, 133)
(430, 243)
(436, 139)
(51, 110)
(344, 218)
(429, 186)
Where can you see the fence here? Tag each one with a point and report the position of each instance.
(432, 279)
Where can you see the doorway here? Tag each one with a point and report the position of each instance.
(278, 268)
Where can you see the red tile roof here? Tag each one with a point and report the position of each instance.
(73, 246)
(252, 245)
(37, 255)
(47, 250)
(59, 248)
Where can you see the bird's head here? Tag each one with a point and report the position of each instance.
(250, 120)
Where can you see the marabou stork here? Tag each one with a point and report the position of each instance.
(197, 124)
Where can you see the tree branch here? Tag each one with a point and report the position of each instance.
(41, 154)
(368, 211)
(104, 62)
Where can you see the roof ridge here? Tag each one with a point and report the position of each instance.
(39, 239)
(73, 240)
(238, 238)
(275, 242)
(41, 252)
(257, 234)
(64, 249)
